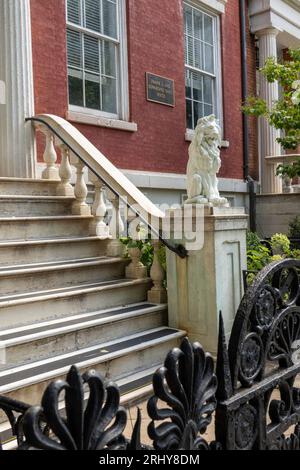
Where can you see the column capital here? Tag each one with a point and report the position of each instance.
(267, 32)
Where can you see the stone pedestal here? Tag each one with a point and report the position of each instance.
(210, 279)
(17, 148)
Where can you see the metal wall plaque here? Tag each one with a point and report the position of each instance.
(160, 89)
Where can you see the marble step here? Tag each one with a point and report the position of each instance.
(52, 275)
(36, 306)
(28, 186)
(46, 339)
(114, 359)
(22, 206)
(31, 228)
(44, 250)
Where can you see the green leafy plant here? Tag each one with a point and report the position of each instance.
(294, 228)
(281, 245)
(285, 113)
(295, 254)
(258, 255)
(146, 251)
(291, 170)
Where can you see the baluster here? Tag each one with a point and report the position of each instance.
(80, 207)
(158, 294)
(50, 158)
(65, 172)
(98, 226)
(136, 269)
(116, 227)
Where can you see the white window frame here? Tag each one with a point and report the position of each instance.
(218, 92)
(121, 67)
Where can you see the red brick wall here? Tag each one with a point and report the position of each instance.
(155, 36)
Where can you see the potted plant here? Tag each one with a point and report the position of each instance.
(288, 171)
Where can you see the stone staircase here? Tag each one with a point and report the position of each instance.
(63, 301)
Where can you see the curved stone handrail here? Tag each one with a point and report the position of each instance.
(99, 164)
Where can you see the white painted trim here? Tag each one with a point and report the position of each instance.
(178, 182)
(283, 15)
(101, 121)
(215, 5)
(92, 112)
(190, 134)
(171, 181)
(122, 67)
(124, 112)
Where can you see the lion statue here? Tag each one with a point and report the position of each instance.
(204, 164)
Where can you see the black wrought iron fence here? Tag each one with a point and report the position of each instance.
(253, 391)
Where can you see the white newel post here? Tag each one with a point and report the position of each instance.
(17, 145)
(269, 91)
(209, 279)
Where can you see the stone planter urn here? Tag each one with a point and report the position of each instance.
(136, 269)
(287, 187)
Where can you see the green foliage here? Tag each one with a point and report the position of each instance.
(258, 255)
(162, 256)
(281, 245)
(285, 113)
(289, 169)
(294, 226)
(146, 252)
(295, 254)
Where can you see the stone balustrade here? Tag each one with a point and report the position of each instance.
(105, 211)
(272, 164)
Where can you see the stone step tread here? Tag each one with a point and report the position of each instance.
(45, 329)
(29, 297)
(48, 241)
(27, 180)
(49, 218)
(15, 270)
(18, 377)
(35, 198)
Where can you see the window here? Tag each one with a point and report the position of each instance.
(201, 64)
(95, 48)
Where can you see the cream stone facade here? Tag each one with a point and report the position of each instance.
(276, 23)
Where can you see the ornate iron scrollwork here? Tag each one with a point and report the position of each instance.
(187, 385)
(98, 425)
(263, 359)
(267, 323)
(246, 427)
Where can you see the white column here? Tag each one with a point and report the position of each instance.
(269, 146)
(17, 147)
